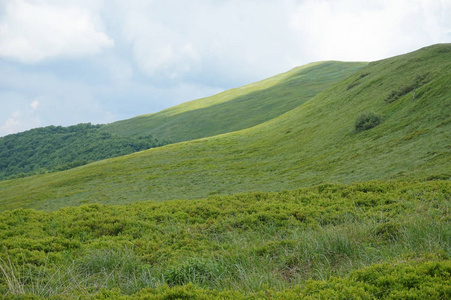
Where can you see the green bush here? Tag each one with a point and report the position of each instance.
(246, 246)
(367, 121)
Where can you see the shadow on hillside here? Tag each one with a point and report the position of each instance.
(256, 107)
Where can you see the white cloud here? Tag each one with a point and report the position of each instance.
(20, 120)
(46, 100)
(369, 30)
(233, 40)
(31, 31)
(158, 50)
(34, 105)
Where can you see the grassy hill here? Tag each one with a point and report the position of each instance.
(50, 149)
(314, 143)
(237, 108)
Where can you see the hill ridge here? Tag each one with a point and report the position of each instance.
(312, 144)
(237, 108)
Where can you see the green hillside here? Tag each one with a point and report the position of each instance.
(56, 148)
(316, 142)
(237, 108)
(373, 240)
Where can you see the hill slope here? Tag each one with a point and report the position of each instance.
(312, 144)
(237, 108)
(50, 149)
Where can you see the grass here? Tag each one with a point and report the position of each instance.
(312, 144)
(8, 272)
(380, 236)
(237, 108)
(249, 231)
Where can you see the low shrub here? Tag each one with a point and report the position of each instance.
(367, 120)
(419, 81)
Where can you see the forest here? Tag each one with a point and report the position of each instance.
(57, 148)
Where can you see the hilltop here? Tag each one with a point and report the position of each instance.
(237, 108)
(314, 143)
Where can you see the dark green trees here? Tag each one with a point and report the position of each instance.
(56, 148)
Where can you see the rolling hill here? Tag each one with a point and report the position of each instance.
(314, 143)
(389, 237)
(237, 108)
(50, 149)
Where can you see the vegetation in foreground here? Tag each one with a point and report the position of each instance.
(373, 240)
(57, 148)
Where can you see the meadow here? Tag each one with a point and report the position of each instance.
(373, 240)
(312, 144)
(56, 148)
(345, 196)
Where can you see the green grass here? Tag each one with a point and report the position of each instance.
(377, 239)
(51, 149)
(237, 108)
(339, 237)
(312, 144)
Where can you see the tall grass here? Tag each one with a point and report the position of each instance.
(10, 276)
(276, 264)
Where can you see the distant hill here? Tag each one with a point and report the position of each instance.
(389, 120)
(238, 108)
(56, 148)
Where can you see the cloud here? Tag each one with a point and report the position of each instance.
(20, 120)
(118, 69)
(34, 105)
(158, 49)
(220, 43)
(31, 31)
(46, 100)
(369, 30)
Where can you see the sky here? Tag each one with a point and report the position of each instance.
(99, 61)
